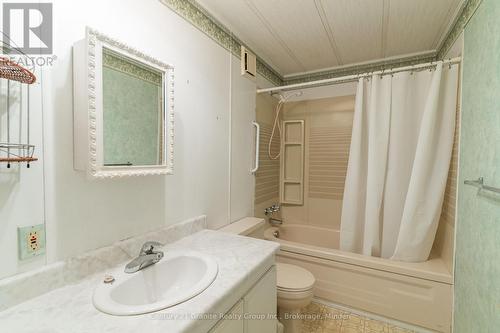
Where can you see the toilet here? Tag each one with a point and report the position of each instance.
(294, 284)
(295, 290)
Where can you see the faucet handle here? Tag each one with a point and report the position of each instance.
(149, 247)
(272, 209)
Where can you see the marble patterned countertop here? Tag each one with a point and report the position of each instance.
(241, 260)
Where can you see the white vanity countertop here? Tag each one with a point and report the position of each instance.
(241, 260)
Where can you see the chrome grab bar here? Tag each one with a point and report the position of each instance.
(479, 183)
(257, 146)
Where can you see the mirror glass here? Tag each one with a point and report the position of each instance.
(133, 112)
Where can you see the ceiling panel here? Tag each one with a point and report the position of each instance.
(357, 26)
(415, 26)
(238, 17)
(297, 27)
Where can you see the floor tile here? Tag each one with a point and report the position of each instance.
(320, 318)
(375, 326)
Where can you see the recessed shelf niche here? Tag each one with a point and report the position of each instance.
(292, 163)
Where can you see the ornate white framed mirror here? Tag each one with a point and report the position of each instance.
(123, 109)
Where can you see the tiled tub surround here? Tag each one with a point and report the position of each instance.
(328, 127)
(241, 260)
(268, 175)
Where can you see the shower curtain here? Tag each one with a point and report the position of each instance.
(400, 154)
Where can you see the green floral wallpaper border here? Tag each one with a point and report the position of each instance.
(191, 11)
(131, 68)
(468, 9)
(206, 23)
(359, 69)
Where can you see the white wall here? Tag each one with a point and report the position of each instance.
(82, 214)
(242, 141)
(21, 189)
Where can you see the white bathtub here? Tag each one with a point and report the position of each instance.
(417, 293)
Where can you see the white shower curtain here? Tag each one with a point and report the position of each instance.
(399, 158)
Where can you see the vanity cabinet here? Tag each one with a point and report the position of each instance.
(231, 325)
(259, 305)
(255, 312)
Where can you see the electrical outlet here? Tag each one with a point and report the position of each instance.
(31, 241)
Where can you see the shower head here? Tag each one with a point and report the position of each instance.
(284, 98)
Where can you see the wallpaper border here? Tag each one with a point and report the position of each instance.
(206, 23)
(119, 63)
(468, 10)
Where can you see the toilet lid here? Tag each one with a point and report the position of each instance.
(294, 278)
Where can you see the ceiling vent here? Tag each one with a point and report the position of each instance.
(248, 64)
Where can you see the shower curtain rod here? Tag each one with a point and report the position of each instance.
(355, 77)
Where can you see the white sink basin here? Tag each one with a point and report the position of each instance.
(179, 276)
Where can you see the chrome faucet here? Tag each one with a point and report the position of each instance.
(147, 257)
(273, 209)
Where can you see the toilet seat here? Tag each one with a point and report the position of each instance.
(291, 278)
(293, 290)
(294, 295)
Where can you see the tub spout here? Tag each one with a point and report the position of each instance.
(275, 221)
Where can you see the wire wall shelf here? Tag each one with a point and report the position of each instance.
(16, 152)
(11, 71)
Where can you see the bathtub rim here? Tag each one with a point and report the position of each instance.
(433, 269)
